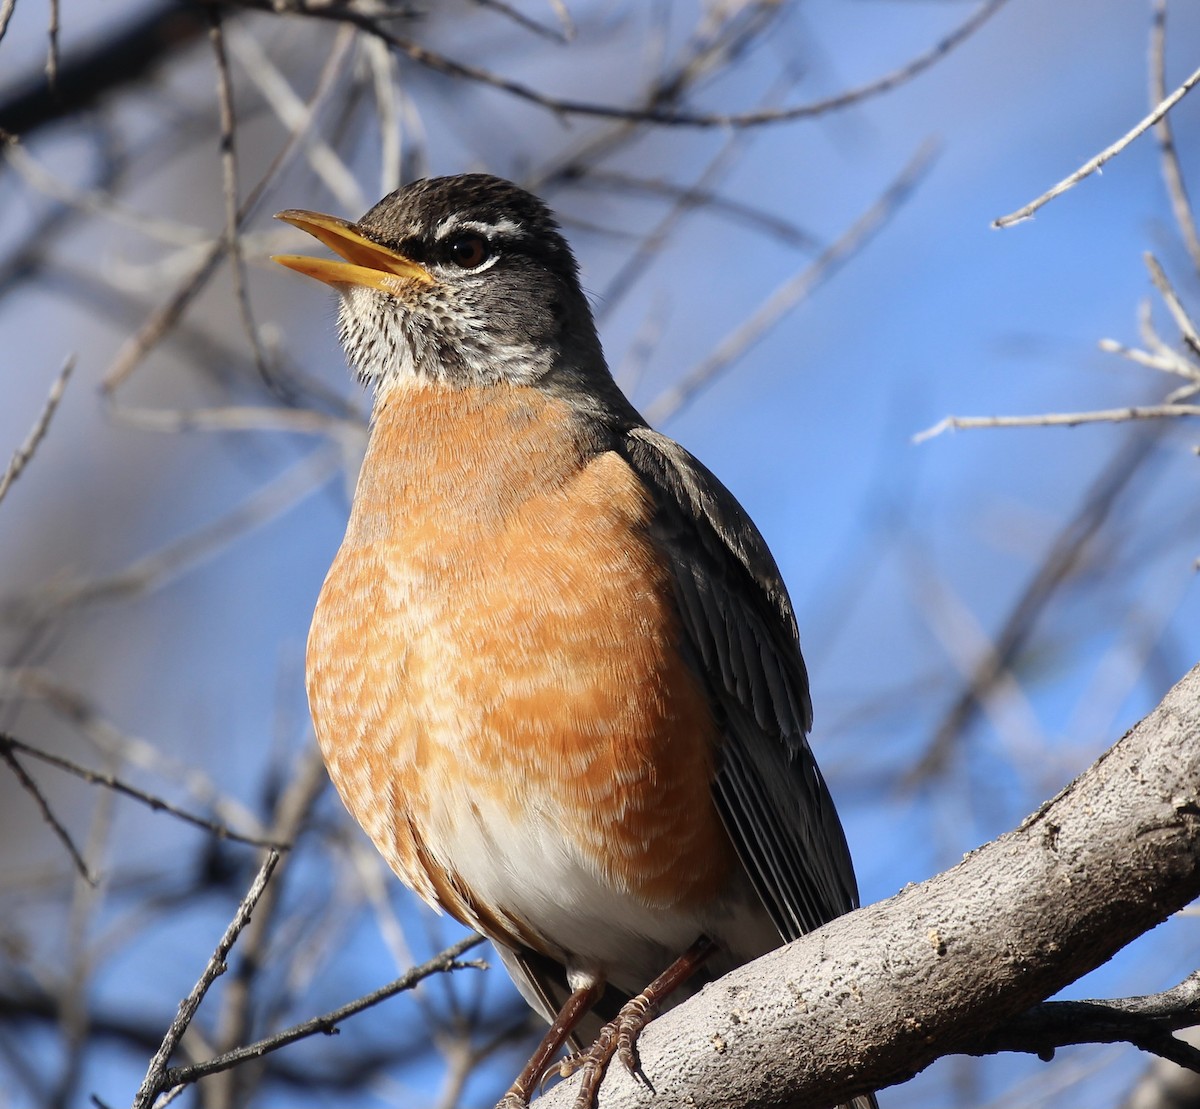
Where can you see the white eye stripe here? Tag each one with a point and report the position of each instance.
(504, 228)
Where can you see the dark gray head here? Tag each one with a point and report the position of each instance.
(465, 280)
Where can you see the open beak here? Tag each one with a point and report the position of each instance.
(366, 263)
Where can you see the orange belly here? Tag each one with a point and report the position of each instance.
(494, 674)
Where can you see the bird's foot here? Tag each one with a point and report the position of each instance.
(514, 1099)
(619, 1038)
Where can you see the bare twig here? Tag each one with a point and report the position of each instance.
(1181, 204)
(651, 244)
(34, 790)
(1174, 305)
(229, 172)
(10, 743)
(326, 1023)
(24, 452)
(1166, 360)
(163, 319)
(657, 115)
(70, 705)
(1095, 163)
(561, 35)
(154, 1081)
(292, 809)
(761, 220)
(1060, 419)
(794, 290)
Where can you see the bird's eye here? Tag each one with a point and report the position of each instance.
(468, 250)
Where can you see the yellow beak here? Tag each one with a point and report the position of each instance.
(366, 263)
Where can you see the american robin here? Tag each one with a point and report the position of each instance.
(554, 671)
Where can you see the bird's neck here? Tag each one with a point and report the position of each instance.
(475, 453)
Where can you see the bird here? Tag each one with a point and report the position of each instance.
(554, 671)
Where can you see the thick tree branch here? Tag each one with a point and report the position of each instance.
(875, 997)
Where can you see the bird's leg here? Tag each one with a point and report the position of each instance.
(569, 1016)
(619, 1036)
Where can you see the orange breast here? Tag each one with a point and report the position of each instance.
(496, 641)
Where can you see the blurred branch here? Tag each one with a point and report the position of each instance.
(760, 219)
(9, 743)
(69, 704)
(152, 570)
(229, 178)
(565, 106)
(52, 29)
(794, 290)
(1059, 564)
(120, 58)
(562, 35)
(25, 451)
(7, 7)
(163, 319)
(1172, 173)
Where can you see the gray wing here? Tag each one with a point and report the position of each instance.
(741, 634)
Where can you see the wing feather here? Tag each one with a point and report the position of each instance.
(740, 632)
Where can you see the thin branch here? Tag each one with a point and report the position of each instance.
(34, 790)
(72, 706)
(155, 1074)
(439, 63)
(327, 1023)
(163, 319)
(1168, 361)
(229, 173)
(96, 201)
(10, 743)
(293, 806)
(25, 451)
(759, 218)
(152, 570)
(1147, 1022)
(1060, 419)
(684, 203)
(1174, 305)
(794, 290)
(1095, 163)
(293, 113)
(562, 35)
(1181, 204)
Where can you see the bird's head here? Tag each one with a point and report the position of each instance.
(464, 280)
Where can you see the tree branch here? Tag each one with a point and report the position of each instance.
(1145, 1021)
(876, 996)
